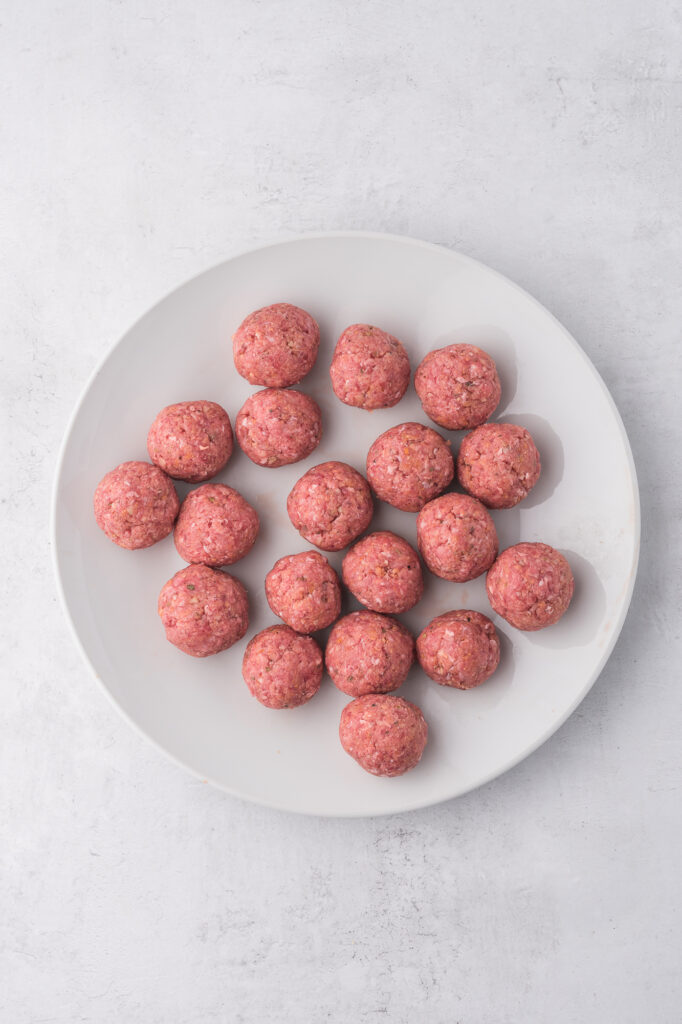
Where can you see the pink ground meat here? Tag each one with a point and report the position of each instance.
(460, 648)
(330, 505)
(383, 571)
(458, 386)
(282, 668)
(370, 368)
(304, 591)
(409, 465)
(456, 537)
(276, 347)
(277, 427)
(216, 526)
(191, 440)
(136, 505)
(498, 463)
(386, 735)
(530, 585)
(203, 610)
(368, 653)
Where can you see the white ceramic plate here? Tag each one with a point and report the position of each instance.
(586, 504)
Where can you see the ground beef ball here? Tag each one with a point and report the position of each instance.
(458, 386)
(216, 526)
(456, 537)
(304, 591)
(191, 440)
(368, 653)
(276, 346)
(386, 735)
(409, 465)
(203, 610)
(282, 668)
(330, 505)
(498, 463)
(530, 585)
(136, 505)
(383, 572)
(459, 648)
(370, 368)
(277, 427)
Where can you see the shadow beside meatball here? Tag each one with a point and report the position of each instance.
(584, 616)
(507, 525)
(551, 450)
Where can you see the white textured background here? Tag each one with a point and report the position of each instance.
(142, 142)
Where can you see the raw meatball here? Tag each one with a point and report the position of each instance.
(370, 368)
(368, 653)
(276, 346)
(281, 668)
(330, 505)
(304, 591)
(530, 585)
(459, 648)
(498, 463)
(458, 386)
(408, 465)
(384, 573)
(203, 610)
(136, 505)
(386, 735)
(277, 427)
(216, 526)
(456, 537)
(191, 440)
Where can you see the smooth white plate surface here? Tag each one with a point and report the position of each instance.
(586, 504)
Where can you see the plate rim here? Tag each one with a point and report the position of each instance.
(411, 805)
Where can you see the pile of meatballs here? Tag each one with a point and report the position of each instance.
(368, 653)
